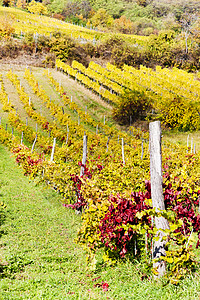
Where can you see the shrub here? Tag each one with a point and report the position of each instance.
(6, 26)
(9, 49)
(132, 104)
(180, 113)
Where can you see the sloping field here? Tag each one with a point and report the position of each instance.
(39, 258)
(25, 22)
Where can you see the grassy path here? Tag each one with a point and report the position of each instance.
(39, 259)
(36, 244)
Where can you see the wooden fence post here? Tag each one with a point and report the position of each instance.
(84, 155)
(157, 194)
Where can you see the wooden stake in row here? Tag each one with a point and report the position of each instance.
(84, 158)
(123, 158)
(67, 134)
(193, 147)
(53, 149)
(33, 146)
(142, 151)
(107, 144)
(22, 137)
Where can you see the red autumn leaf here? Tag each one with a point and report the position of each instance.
(105, 286)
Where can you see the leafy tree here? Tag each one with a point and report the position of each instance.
(6, 26)
(102, 19)
(57, 6)
(123, 25)
(8, 3)
(187, 23)
(37, 8)
(21, 4)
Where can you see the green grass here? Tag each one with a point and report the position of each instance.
(39, 259)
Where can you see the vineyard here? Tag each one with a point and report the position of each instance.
(58, 125)
(163, 88)
(42, 25)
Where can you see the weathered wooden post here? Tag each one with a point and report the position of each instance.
(188, 142)
(53, 149)
(142, 150)
(67, 134)
(157, 194)
(107, 144)
(33, 146)
(22, 137)
(123, 158)
(191, 145)
(84, 158)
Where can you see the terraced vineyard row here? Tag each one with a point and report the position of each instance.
(161, 84)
